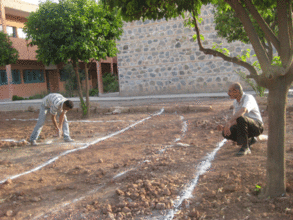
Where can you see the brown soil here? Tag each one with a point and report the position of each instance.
(137, 174)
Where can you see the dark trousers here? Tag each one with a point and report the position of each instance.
(245, 129)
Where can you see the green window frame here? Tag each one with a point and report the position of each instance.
(33, 76)
(3, 77)
(16, 77)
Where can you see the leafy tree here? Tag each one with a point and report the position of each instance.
(8, 54)
(254, 17)
(74, 30)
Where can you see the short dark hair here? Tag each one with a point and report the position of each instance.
(69, 104)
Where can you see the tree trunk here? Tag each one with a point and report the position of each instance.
(276, 175)
(87, 90)
(82, 104)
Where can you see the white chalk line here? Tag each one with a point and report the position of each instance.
(201, 169)
(184, 129)
(81, 148)
(83, 121)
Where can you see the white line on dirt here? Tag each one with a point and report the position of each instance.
(86, 121)
(81, 148)
(200, 170)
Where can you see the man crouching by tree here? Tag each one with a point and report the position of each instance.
(246, 122)
(56, 103)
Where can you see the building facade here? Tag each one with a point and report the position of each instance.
(28, 77)
(161, 57)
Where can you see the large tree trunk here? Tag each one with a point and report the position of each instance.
(82, 104)
(87, 90)
(276, 175)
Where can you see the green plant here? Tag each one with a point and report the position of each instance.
(110, 83)
(94, 92)
(260, 91)
(257, 189)
(16, 98)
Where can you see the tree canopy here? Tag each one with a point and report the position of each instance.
(73, 30)
(8, 54)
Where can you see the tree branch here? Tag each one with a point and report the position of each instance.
(253, 37)
(284, 36)
(269, 34)
(215, 53)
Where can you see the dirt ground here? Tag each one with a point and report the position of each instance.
(141, 172)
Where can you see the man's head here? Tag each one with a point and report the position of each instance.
(235, 91)
(68, 105)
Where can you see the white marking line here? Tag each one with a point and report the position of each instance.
(81, 148)
(201, 169)
(86, 121)
(68, 203)
(183, 130)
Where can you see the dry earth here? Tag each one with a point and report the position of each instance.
(142, 172)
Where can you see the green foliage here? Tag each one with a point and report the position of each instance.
(8, 54)
(94, 92)
(71, 81)
(218, 48)
(110, 83)
(229, 26)
(245, 55)
(260, 91)
(37, 96)
(73, 30)
(17, 98)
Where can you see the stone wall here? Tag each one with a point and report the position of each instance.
(160, 57)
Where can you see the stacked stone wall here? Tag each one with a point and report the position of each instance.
(161, 57)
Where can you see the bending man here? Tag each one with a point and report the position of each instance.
(55, 103)
(246, 122)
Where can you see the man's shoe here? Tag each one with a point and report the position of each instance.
(34, 143)
(243, 151)
(68, 139)
(252, 141)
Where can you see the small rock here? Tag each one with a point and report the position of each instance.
(116, 166)
(194, 214)
(9, 213)
(110, 216)
(160, 206)
(126, 210)
(31, 109)
(166, 192)
(107, 209)
(100, 160)
(120, 192)
(8, 182)
(103, 172)
(34, 199)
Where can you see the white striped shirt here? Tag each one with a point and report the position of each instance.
(54, 101)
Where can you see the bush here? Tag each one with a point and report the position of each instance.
(110, 83)
(71, 82)
(16, 98)
(94, 92)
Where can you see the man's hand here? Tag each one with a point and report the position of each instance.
(227, 131)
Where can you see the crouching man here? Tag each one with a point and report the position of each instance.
(246, 122)
(56, 104)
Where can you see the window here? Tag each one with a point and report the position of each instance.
(64, 75)
(33, 76)
(21, 34)
(1, 27)
(11, 31)
(3, 77)
(16, 77)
